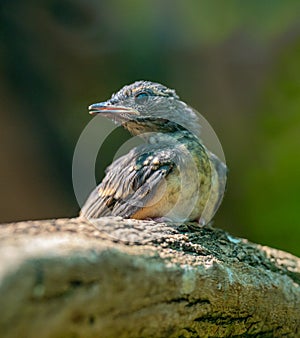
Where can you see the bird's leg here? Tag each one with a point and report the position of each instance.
(196, 226)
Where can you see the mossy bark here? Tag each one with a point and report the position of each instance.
(128, 278)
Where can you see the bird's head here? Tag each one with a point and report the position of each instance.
(145, 106)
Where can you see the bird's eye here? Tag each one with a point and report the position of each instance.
(142, 98)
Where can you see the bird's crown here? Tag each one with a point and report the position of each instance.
(140, 88)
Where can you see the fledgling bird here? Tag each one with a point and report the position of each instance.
(172, 176)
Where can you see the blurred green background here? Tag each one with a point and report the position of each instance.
(236, 62)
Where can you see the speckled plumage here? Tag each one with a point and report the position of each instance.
(173, 175)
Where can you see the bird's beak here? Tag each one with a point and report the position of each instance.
(106, 109)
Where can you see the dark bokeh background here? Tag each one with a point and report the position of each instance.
(236, 62)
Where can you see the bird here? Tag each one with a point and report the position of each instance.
(172, 176)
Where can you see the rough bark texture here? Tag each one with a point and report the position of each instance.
(127, 278)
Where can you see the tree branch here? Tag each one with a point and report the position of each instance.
(129, 278)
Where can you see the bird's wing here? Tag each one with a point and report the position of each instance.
(130, 182)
